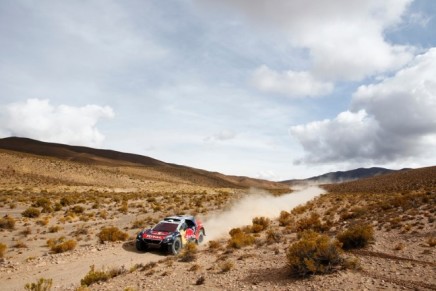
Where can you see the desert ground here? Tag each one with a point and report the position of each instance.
(71, 224)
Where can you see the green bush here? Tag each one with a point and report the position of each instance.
(112, 233)
(31, 212)
(357, 236)
(41, 285)
(314, 254)
(7, 222)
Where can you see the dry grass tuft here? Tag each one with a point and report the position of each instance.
(41, 285)
(3, 249)
(31, 212)
(112, 233)
(357, 236)
(226, 266)
(239, 239)
(61, 245)
(189, 253)
(7, 222)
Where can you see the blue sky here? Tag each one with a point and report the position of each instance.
(271, 89)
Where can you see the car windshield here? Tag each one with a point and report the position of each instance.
(165, 226)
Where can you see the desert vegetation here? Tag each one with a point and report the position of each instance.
(62, 210)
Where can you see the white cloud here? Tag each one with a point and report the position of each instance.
(388, 121)
(221, 136)
(345, 39)
(40, 120)
(291, 83)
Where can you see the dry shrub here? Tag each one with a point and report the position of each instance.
(239, 239)
(53, 229)
(94, 276)
(43, 222)
(200, 280)
(357, 236)
(138, 223)
(310, 223)
(31, 212)
(431, 241)
(124, 208)
(260, 224)
(41, 285)
(45, 203)
(77, 209)
(65, 201)
(103, 214)
(27, 231)
(399, 247)
(314, 253)
(226, 266)
(7, 222)
(214, 245)
(194, 268)
(20, 245)
(299, 209)
(112, 233)
(353, 213)
(61, 245)
(149, 266)
(273, 236)
(189, 252)
(3, 249)
(285, 218)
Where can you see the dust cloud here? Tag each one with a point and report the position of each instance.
(256, 204)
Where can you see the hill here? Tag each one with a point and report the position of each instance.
(343, 176)
(89, 162)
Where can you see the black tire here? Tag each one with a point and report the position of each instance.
(141, 246)
(200, 237)
(176, 246)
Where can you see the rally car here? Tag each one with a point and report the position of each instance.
(171, 234)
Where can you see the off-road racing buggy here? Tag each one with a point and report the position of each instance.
(171, 234)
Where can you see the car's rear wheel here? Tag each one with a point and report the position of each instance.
(200, 237)
(141, 246)
(176, 246)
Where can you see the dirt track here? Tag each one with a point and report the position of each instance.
(65, 269)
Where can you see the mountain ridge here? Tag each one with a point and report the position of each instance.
(92, 156)
(344, 176)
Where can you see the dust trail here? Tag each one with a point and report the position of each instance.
(258, 204)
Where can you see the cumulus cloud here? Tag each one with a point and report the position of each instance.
(390, 120)
(40, 120)
(291, 83)
(345, 39)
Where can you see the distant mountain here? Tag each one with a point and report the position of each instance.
(97, 158)
(344, 176)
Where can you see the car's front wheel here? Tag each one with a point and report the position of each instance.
(141, 246)
(176, 246)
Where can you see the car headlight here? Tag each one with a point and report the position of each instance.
(167, 238)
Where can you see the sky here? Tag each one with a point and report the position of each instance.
(277, 89)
